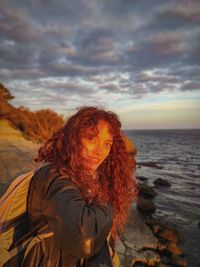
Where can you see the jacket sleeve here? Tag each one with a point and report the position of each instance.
(80, 228)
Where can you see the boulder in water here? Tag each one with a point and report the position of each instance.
(179, 261)
(169, 235)
(147, 191)
(161, 182)
(145, 205)
(142, 178)
(174, 249)
(154, 165)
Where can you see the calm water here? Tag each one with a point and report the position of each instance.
(178, 153)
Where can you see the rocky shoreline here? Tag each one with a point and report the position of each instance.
(149, 240)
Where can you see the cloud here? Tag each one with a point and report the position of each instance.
(175, 15)
(17, 25)
(189, 86)
(124, 49)
(151, 77)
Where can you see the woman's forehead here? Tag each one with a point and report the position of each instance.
(102, 126)
(104, 129)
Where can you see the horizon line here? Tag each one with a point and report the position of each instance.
(159, 129)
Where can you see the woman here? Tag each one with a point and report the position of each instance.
(81, 195)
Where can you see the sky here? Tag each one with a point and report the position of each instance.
(138, 58)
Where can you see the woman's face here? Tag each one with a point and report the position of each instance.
(96, 148)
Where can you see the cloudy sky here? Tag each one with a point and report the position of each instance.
(139, 58)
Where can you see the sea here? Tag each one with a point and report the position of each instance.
(177, 154)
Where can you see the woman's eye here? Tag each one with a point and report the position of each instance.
(92, 138)
(108, 145)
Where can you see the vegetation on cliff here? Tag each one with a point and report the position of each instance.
(35, 125)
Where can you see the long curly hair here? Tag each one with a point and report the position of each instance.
(115, 184)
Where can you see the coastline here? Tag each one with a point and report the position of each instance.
(176, 154)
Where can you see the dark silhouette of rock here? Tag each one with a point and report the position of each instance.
(147, 191)
(160, 264)
(145, 205)
(154, 165)
(161, 182)
(170, 235)
(174, 249)
(142, 178)
(178, 261)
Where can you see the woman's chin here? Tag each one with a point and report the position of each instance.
(90, 167)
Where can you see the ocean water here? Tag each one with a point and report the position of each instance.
(178, 154)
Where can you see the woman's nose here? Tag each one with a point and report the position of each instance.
(97, 149)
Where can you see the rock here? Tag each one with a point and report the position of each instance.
(168, 235)
(145, 205)
(160, 264)
(139, 264)
(172, 248)
(161, 182)
(156, 229)
(147, 191)
(154, 165)
(137, 236)
(166, 260)
(171, 234)
(165, 225)
(162, 245)
(153, 221)
(148, 257)
(178, 261)
(142, 178)
(119, 247)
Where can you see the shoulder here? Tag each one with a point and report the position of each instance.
(47, 180)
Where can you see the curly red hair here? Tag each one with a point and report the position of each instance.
(115, 184)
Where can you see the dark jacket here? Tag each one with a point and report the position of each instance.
(79, 230)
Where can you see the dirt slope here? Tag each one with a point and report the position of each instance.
(16, 154)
